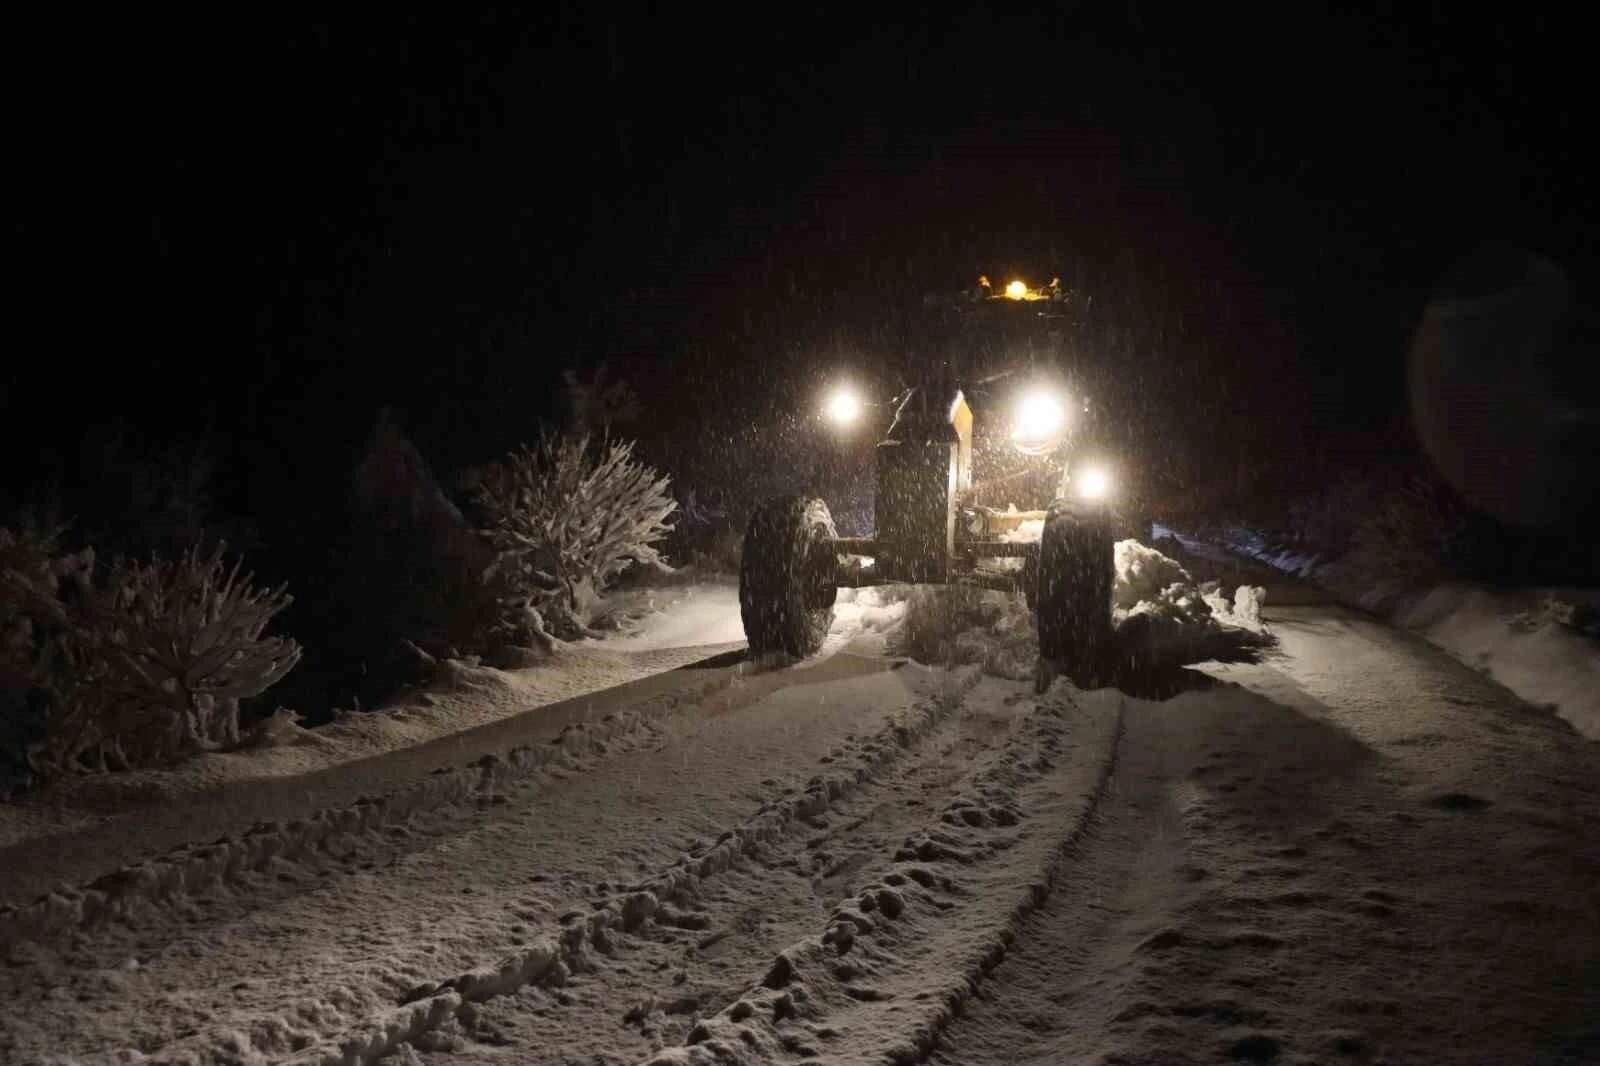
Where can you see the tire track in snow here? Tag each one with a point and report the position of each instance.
(139, 891)
(1280, 891)
(142, 890)
(333, 960)
(363, 937)
(1070, 973)
(584, 938)
(697, 954)
(896, 962)
(373, 830)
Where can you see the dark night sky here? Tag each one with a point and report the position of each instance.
(301, 221)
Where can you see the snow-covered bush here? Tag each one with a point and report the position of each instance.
(935, 616)
(30, 575)
(147, 663)
(565, 518)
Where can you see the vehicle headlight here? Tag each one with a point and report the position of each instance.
(1093, 483)
(843, 406)
(1040, 417)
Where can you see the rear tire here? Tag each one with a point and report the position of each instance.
(1073, 603)
(788, 577)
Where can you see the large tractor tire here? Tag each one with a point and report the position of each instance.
(1072, 609)
(788, 578)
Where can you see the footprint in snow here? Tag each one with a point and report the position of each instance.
(1459, 801)
(1257, 1047)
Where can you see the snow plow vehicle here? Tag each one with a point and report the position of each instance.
(958, 452)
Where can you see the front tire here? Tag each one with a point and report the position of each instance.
(788, 577)
(1077, 571)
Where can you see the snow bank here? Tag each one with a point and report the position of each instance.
(1150, 583)
(1532, 641)
(685, 625)
(691, 616)
(1295, 562)
(142, 886)
(1163, 618)
(878, 609)
(1144, 575)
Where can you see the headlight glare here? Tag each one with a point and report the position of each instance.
(1040, 417)
(843, 406)
(1093, 483)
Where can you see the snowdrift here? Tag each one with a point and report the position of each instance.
(1541, 643)
(1164, 620)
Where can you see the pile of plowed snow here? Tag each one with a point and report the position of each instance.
(1151, 583)
(947, 626)
(1164, 620)
(1543, 643)
(1161, 614)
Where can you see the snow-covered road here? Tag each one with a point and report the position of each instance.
(1360, 851)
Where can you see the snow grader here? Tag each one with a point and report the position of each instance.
(958, 451)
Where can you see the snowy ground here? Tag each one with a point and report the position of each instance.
(679, 626)
(1542, 643)
(698, 615)
(1359, 850)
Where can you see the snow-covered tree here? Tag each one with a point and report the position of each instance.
(566, 518)
(145, 664)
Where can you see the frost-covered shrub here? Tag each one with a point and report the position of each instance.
(30, 575)
(147, 663)
(565, 518)
(1243, 610)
